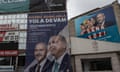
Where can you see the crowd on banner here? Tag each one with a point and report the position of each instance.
(94, 24)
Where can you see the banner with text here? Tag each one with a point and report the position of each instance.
(98, 25)
(42, 28)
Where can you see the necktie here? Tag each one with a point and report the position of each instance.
(56, 67)
(37, 68)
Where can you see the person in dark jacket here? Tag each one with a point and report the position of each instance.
(101, 20)
(57, 46)
(38, 64)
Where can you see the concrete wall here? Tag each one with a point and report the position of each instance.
(117, 14)
(86, 46)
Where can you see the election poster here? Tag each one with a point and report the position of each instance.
(47, 40)
(98, 25)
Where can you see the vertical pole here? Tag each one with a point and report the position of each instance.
(11, 61)
(16, 63)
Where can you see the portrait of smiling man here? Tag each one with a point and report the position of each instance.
(38, 63)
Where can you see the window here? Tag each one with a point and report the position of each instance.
(100, 64)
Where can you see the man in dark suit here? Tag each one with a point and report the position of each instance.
(39, 64)
(57, 46)
(101, 21)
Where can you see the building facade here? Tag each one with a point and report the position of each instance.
(92, 55)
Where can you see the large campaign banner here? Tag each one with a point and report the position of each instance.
(98, 25)
(13, 6)
(47, 39)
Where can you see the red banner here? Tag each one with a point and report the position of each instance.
(8, 52)
(7, 27)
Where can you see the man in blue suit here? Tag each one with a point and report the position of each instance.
(57, 46)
